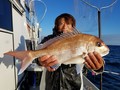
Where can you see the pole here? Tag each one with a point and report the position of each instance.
(101, 81)
(99, 24)
(99, 34)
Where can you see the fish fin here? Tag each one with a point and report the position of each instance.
(25, 56)
(18, 54)
(24, 64)
(61, 36)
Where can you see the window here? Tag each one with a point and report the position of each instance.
(5, 15)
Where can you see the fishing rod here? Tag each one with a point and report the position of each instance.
(99, 13)
(99, 23)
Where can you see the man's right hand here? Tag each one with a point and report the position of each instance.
(48, 61)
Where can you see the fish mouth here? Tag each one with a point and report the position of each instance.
(105, 53)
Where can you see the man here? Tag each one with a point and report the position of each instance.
(66, 77)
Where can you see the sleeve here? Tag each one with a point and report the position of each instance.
(44, 39)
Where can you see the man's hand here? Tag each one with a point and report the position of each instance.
(48, 61)
(94, 61)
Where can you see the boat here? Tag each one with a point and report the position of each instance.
(16, 33)
(19, 32)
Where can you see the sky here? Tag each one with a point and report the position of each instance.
(85, 15)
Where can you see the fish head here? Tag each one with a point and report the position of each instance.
(99, 46)
(102, 48)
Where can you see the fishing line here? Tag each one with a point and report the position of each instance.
(99, 9)
(30, 3)
(111, 72)
(34, 18)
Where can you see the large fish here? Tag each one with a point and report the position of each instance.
(68, 48)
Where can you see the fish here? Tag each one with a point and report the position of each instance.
(68, 48)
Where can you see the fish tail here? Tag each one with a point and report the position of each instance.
(26, 58)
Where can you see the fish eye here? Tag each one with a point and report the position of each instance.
(98, 44)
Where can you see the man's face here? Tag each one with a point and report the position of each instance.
(64, 27)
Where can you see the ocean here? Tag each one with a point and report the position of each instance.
(111, 74)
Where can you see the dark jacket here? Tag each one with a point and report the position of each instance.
(64, 78)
